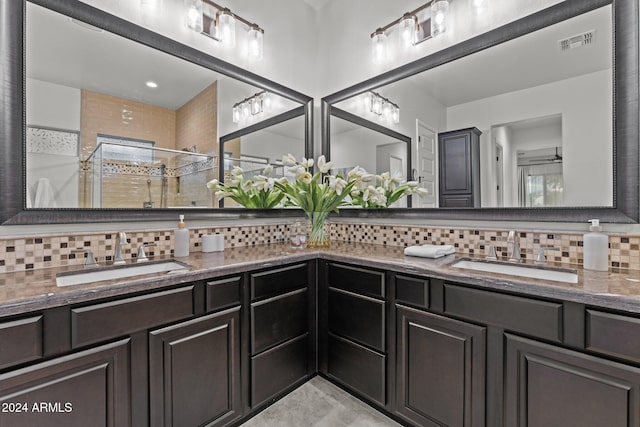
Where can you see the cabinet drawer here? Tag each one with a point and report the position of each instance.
(21, 341)
(223, 293)
(278, 368)
(359, 318)
(278, 319)
(533, 317)
(117, 318)
(613, 334)
(357, 367)
(276, 282)
(357, 280)
(412, 291)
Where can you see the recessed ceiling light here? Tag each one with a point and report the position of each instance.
(152, 84)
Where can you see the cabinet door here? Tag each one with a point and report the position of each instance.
(551, 386)
(194, 371)
(455, 163)
(89, 388)
(440, 370)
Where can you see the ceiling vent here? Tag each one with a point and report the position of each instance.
(585, 39)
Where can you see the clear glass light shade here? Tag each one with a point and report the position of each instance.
(480, 7)
(237, 113)
(377, 105)
(227, 28)
(439, 11)
(255, 43)
(246, 109)
(379, 47)
(266, 101)
(395, 115)
(386, 110)
(366, 99)
(407, 30)
(256, 106)
(194, 15)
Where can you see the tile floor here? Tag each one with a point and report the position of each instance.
(318, 403)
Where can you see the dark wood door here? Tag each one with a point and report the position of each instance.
(89, 388)
(548, 386)
(459, 168)
(440, 370)
(194, 371)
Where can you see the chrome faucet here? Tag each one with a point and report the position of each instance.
(512, 238)
(121, 238)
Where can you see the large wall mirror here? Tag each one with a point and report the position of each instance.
(517, 123)
(120, 118)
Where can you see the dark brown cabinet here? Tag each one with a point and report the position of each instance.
(88, 388)
(553, 386)
(459, 168)
(282, 325)
(354, 335)
(440, 368)
(194, 371)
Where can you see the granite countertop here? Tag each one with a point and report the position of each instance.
(23, 292)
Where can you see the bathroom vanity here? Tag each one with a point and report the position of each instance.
(423, 342)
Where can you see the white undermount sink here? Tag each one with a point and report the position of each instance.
(118, 272)
(534, 272)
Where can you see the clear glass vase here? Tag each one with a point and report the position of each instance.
(319, 232)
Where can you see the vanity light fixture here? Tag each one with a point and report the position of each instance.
(382, 107)
(219, 23)
(411, 30)
(251, 106)
(151, 84)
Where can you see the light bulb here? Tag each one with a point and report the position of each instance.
(255, 42)
(227, 28)
(194, 16)
(439, 11)
(379, 47)
(407, 29)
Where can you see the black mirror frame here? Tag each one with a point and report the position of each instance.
(626, 179)
(13, 121)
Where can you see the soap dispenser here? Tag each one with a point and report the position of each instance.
(181, 240)
(596, 248)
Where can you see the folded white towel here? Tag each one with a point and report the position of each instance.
(429, 251)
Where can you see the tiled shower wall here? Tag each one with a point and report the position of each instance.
(30, 253)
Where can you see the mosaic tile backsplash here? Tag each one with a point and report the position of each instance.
(30, 253)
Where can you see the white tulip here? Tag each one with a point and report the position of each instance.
(289, 160)
(323, 165)
(267, 170)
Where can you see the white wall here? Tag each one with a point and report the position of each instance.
(586, 108)
(51, 105)
(272, 146)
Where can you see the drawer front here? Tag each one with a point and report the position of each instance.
(223, 293)
(613, 334)
(357, 367)
(358, 318)
(357, 280)
(529, 316)
(21, 341)
(118, 318)
(278, 319)
(276, 282)
(412, 291)
(277, 369)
